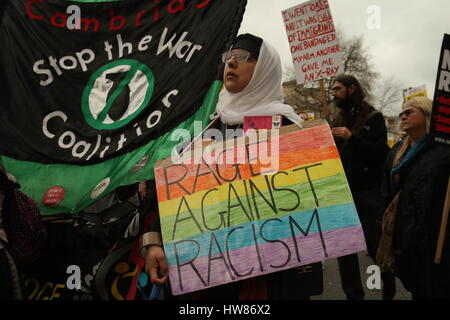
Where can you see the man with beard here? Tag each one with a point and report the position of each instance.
(361, 138)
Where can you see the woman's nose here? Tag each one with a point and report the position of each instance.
(232, 62)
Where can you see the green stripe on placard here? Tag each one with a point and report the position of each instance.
(330, 191)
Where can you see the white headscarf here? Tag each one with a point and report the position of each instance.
(262, 96)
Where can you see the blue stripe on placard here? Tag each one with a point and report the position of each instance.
(241, 236)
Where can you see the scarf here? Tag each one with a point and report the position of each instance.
(405, 154)
(385, 253)
(261, 97)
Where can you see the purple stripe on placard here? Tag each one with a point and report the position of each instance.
(278, 255)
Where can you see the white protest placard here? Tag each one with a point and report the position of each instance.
(415, 92)
(313, 42)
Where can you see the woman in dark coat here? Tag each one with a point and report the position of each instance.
(415, 185)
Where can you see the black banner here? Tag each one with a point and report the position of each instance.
(440, 118)
(87, 90)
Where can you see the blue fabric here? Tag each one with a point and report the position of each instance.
(410, 155)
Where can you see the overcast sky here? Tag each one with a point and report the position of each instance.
(406, 46)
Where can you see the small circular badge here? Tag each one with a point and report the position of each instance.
(53, 197)
(100, 188)
(140, 164)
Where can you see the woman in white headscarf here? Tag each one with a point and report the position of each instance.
(252, 81)
(252, 87)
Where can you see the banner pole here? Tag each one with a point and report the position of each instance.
(444, 222)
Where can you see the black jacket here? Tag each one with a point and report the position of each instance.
(422, 184)
(364, 154)
(363, 157)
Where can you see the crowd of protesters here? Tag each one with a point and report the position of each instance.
(399, 193)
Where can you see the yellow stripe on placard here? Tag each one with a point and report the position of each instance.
(294, 176)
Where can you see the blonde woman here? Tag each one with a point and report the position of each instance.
(415, 185)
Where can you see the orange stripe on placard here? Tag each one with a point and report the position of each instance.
(304, 140)
(181, 184)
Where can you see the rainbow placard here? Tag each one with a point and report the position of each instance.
(227, 222)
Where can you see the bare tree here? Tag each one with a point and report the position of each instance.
(388, 95)
(288, 73)
(357, 61)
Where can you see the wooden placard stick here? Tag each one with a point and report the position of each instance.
(323, 98)
(444, 222)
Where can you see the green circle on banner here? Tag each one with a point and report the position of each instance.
(95, 103)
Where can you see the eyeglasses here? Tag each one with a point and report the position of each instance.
(406, 113)
(240, 56)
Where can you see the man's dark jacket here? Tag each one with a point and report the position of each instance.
(364, 154)
(363, 157)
